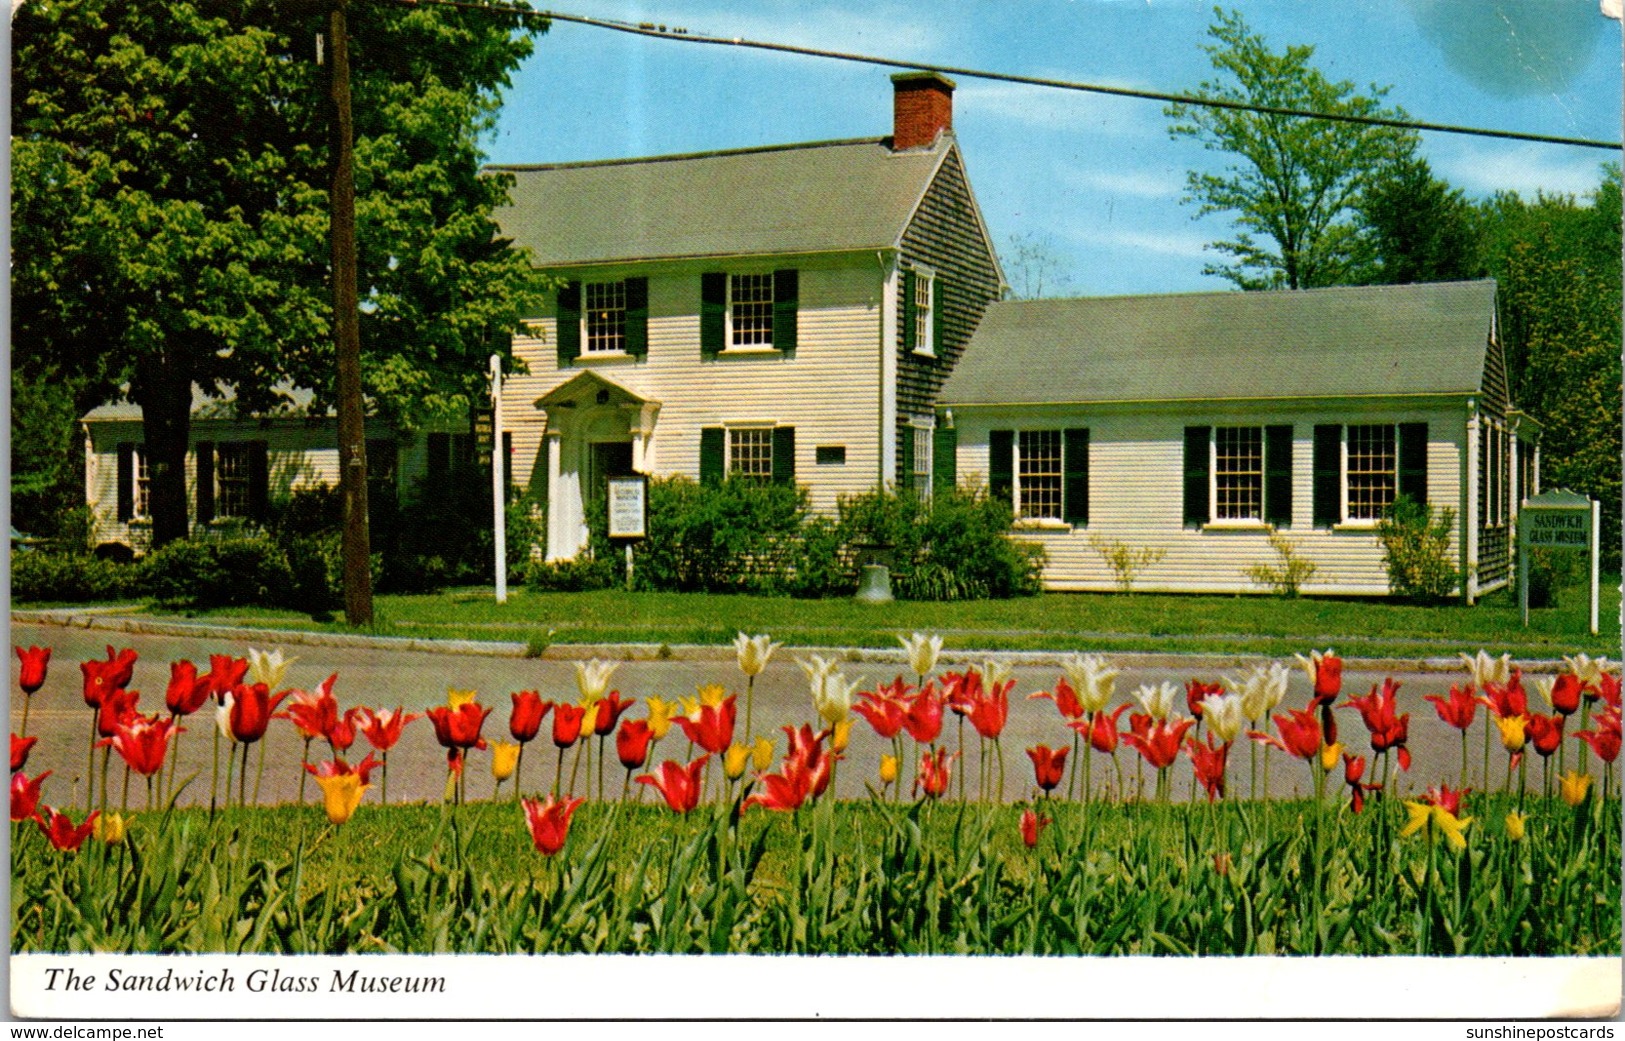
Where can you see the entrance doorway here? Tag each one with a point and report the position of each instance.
(605, 459)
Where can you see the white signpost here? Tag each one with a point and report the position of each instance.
(1558, 519)
(499, 507)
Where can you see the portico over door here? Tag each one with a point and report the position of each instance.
(596, 429)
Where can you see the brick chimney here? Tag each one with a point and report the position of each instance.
(922, 108)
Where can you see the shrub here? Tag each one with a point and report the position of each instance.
(1416, 550)
(201, 574)
(1550, 572)
(1125, 561)
(737, 536)
(1289, 574)
(73, 577)
(584, 573)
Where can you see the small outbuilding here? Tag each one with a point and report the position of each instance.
(1188, 428)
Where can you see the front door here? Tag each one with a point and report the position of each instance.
(605, 459)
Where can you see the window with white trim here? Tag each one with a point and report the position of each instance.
(1371, 470)
(924, 287)
(140, 484)
(1238, 473)
(231, 479)
(750, 310)
(603, 317)
(750, 452)
(923, 431)
(1038, 475)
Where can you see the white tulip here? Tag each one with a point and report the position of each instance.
(994, 672)
(1486, 670)
(923, 650)
(1587, 669)
(592, 678)
(1158, 701)
(831, 694)
(1223, 715)
(268, 667)
(222, 718)
(1092, 678)
(753, 653)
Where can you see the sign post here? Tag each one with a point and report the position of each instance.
(499, 506)
(628, 514)
(1558, 519)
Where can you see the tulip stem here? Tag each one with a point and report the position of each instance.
(383, 768)
(518, 766)
(750, 695)
(575, 768)
(998, 747)
(90, 767)
(28, 703)
(558, 772)
(626, 785)
(1088, 764)
(960, 754)
(242, 780)
(1072, 777)
(125, 798)
(259, 772)
(600, 767)
(1463, 784)
(1487, 729)
(304, 760)
(231, 766)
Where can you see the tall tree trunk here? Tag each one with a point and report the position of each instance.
(163, 388)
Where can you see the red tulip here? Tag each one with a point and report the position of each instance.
(1209, 761)
(1388, 730)
(1300, 734)
(1458, 710)
(25, 795)
(567, 724)
(1196, 692)
(961, 690)
(714, 729)
(251, 708)
(58, 827)
(314, 712)
(884, 707)
(225, 674)
(1446, 798)
(784, 791)
(808, 756)
(610, 707)
(341, 734)
(383, 728)
(1328, 677)
(1032, 826)
(1607, 688)
(34, 660)
(117, 706)
(187, 690)
(98, 680)
(923, 720)
(459, 728)
(1065, 698)
(1353, 771)
(1605, 739)
(1566, 694)
(143, 742)
(1507, 700)
(632, 743)
(1101, 729)
(933, 776)
(338, 768)
(528, 712)
(679, 784)
(549, 821)
(1545, 732)
(1160, 746)
(990, 710)
(19, 751)
(1049, 764)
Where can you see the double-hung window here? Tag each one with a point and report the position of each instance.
(231, 479)
(1362, 468)
(1238, 476)
(755, 451)
(750, 310)
(134, 490)
(750, 452)
(1238, 473)
(1038, 475)
(1372, 471)
(920, 311)
(605, 318)
(1044, 474)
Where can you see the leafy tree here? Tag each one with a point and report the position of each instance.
(1293, 184)
(1420, 228)
(169, 215)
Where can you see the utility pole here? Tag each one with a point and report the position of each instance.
(356, 547)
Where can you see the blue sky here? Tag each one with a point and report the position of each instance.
(1095, 178)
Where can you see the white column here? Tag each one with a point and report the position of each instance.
(888, 369)
(1475, 445)
(499, 464)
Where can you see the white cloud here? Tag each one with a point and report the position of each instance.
(1483, 169)
(1137, 184)
(1059, 110)
(1163, 243)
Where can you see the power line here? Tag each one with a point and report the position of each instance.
(662, 32)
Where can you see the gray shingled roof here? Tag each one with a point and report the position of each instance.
(810, 198)
(1348, 342)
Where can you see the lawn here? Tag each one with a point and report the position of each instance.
(1056, 621)
(1235, 878)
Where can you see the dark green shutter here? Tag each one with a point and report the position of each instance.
(936, 315)
(1413, 461)
(507, 466)
(205, 481)
(1278, 476)
(1075, 476)
(637, 317)
(1328, 491)
(784, 455)
(944, 460)
(712, 454)
(713, 312)
(126, 480)
(568, 332)
(1001, 450)
(259, 480)
(911, 465)
(786, 302)
(1197, 512)
(909, 278)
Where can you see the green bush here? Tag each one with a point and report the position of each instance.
(737, 536)
(955, 546)
(74, 578)
(1416, 550)
(199, 574)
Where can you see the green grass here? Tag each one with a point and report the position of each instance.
(1056, 621)
(838, 878)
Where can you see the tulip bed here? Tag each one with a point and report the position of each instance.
(738, 850)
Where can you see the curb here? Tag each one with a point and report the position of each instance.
(652, 652)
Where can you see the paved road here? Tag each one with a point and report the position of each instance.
(418, 680)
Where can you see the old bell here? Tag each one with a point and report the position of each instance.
(875, 585)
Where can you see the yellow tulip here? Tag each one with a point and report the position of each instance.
(888, 769)
(341, 794)
(1515, 822)
(1329, 755)
(111, 828)
(734, 760)
(1512, 736)
(1574, 786)
(659, 717)
(457, 698)
(504, 758)
(762, 755)
(711, 695)
(842, 735)
(1436, 820)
